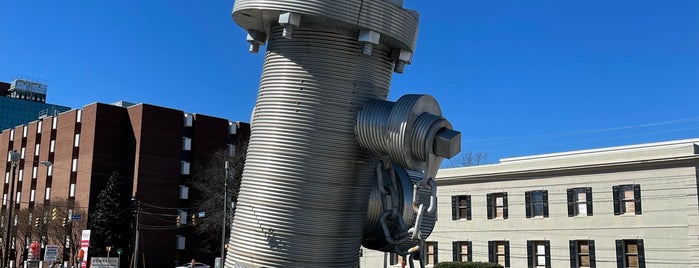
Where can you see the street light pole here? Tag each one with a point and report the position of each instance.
(14, 157)
(137, 209)
(225, 213)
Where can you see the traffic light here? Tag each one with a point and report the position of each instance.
(37, 222)
(194, 219)
(65, 221)
(54, 214)
(179, 221)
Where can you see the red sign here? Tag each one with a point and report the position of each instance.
(34, 251)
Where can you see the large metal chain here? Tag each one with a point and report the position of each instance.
(390, 202)
(390, 198)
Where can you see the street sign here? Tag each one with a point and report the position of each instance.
(75, 217)
(51, 253)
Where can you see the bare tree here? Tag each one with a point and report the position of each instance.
(208, 183)
(470, 158)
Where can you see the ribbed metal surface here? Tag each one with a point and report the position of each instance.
(371, 126)
(390, 20)
(306, 182)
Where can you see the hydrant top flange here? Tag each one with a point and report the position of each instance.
(397, 26)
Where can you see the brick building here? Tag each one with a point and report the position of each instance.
(151, 148)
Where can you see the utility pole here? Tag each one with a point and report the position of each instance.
(137, 212)
(225, 213)
(14, 157)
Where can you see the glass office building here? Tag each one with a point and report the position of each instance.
(24, 101)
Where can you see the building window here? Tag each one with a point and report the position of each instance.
(431, 253)
(539, 254)
(461, 207)
(24, 131)
(627, 199)
(75, 165)
(579, 201)
(72, 190)
(34, 171)
(36, 149)
(185, 168)
(537, 203)
(499, 252)
(38, 127)
(12, 135)
(186, 144)
(52, 147)
(396, 259)
(76, 143)
(188, 120)
(497, 205)
(582, 254)
(32, 194)
(629, 253)
(184, 192)
(48, 193)
(22, 152)
(54, 122)
(462, 251)
(180, 242)
(79, 116)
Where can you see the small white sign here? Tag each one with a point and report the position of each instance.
(51, 253)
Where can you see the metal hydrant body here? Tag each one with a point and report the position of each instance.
(307, 180)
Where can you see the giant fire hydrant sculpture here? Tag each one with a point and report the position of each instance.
(331, 165)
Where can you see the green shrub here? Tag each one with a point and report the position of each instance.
(467, 265)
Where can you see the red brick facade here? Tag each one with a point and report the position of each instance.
(143, 143)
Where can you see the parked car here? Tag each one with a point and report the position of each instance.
(196, 265)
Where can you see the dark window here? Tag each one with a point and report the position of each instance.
(499, 252)
(539, 254)
(497, 205)
(537, 203)
(431, 253)
(629, 253)
(462, 251)
(461, 207)
(627, 199)
(579, 201)
(582, 254)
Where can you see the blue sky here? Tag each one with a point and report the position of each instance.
(516, 77)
